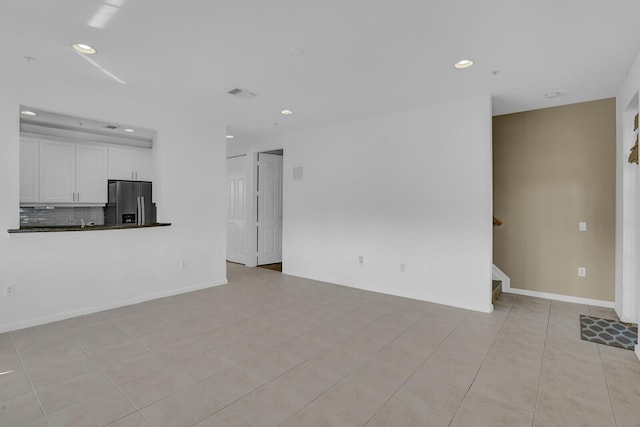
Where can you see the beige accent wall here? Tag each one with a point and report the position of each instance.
(553, 168)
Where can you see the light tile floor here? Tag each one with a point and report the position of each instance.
(270, 349)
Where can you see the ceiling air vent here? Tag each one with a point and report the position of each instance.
(241, 93)
(111, 127)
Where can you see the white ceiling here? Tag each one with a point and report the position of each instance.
(362, 58)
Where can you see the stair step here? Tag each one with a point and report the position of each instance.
(496, 287)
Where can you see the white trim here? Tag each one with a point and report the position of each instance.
(89, 310)
(410, 295)
(638, 351)
(558, 297)
(497, 274)
(506, 288)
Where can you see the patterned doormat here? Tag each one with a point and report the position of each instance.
(609, 332)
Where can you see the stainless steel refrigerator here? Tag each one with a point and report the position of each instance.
(129, 203)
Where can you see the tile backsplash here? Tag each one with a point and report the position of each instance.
(51, 216)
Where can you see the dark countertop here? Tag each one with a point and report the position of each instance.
(86, 228)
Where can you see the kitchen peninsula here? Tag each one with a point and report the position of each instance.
(85, 228)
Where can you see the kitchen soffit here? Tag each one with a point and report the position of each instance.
(61, 125)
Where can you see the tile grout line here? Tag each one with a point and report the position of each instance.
(481, 364)
(24, 369)
(369, 358)
(606, 380)
(416, 369)
(136, 410)
(226, 406)
(99, 368)
(116, 387)
(544, 349)
(419, 366)
(307, 360)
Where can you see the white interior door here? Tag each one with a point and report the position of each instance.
(236, 219)
(269, 208)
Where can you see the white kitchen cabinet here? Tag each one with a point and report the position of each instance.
(29, 170)
(57, 172)
(143, 164)
(72, 173)
(91, 174)
(130, 164)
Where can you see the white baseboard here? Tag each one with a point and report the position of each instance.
(89, 310)
(558, 297)
(435, 300)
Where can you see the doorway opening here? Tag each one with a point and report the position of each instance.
(269, 209)
(275, 267)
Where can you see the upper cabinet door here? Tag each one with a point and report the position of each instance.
(120, 163)
(91, 174)
(57, 172)
(130, 164)
(29, 170)
(142, 164)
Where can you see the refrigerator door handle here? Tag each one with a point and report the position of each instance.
(143, 220)
(138, 210)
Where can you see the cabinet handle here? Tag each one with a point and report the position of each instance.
(78, 193)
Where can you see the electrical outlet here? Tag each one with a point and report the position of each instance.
(403, 267)
(582, 272)
(10, 290)
(582, 226)
(361, 259)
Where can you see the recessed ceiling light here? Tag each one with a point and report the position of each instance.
(286, 112)
(128, 130)
(463, 63)
(552, 95)
(83, 48)
(229, 136)
(28, 113)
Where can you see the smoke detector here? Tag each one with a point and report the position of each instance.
(242, 93)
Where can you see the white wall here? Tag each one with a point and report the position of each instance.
(413, 187)
(627, 199)
(58, 275)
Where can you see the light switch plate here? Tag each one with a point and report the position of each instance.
(582, 226)
(582, 272)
